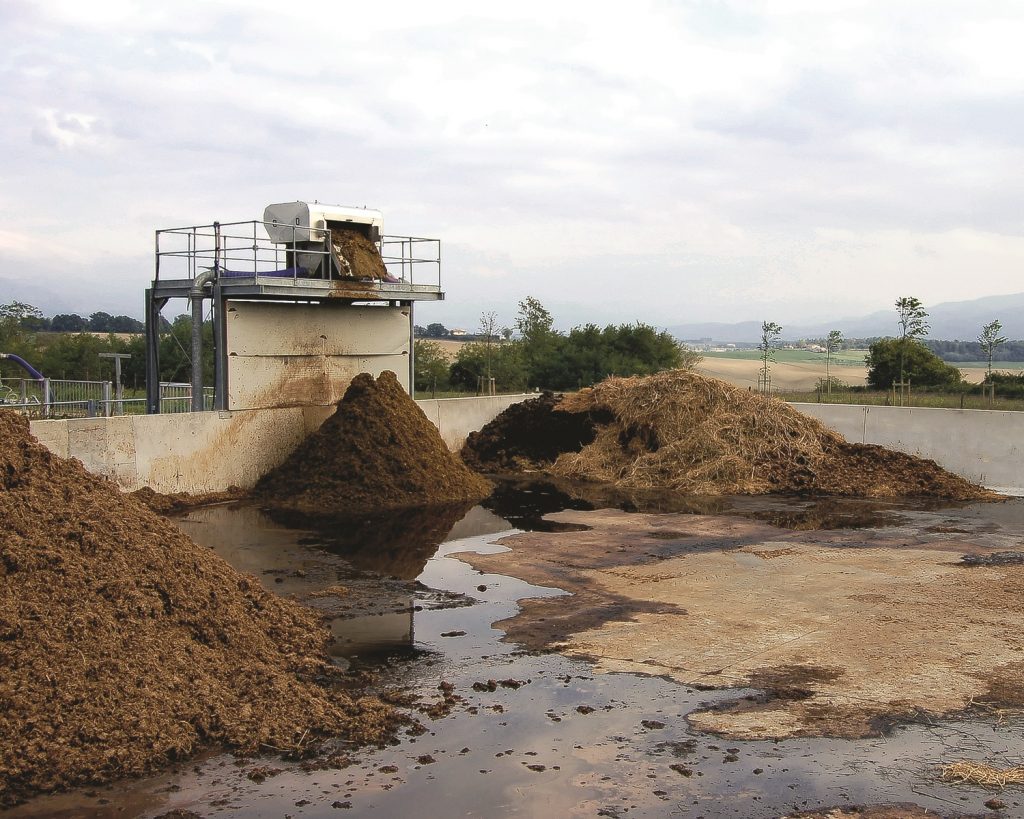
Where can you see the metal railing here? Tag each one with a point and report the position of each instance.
(60, 398)
(245, 249)
(177, 397)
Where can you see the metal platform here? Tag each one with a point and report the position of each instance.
(239, 261)
(265, 287)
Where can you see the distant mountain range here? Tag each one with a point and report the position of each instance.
(953, 320)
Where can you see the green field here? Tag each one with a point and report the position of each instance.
(852, 358)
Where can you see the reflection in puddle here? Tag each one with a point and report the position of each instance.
(397, 543)
(829, 513)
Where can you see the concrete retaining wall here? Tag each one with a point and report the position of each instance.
(983, 446)
(210, 451)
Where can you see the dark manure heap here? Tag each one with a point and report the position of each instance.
(124, 645)
(684, 432)
(527, 436)
(378, 451)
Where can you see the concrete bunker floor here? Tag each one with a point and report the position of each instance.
(842, 632)
(734, 658)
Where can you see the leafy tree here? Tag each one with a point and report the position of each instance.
(540, 343)
(100, 322)
(832, 343)
(75, 357)
(770, 332)
(19, 312)
(912, 325)
(431, 366)
(508, 367)
(126, 324)
(68, 323)
(888, 356)
(488, 328)
(436, 330)
(506, 333)
(176, 351)
(15, 338)
(989, 340)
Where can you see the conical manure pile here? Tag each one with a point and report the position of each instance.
(695, 435)
(124, 645)
(378, 451)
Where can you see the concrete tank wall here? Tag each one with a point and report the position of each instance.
(199, 452)
(983, 446)
(286, 355)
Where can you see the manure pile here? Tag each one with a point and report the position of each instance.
(682, 431)
(124, 645)
(377, 451)
(359, 253)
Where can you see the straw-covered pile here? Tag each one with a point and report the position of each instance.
(124, 645)
(682, 431)
(978, 773)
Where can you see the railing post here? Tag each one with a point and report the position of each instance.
(107, 402)
(46, 398)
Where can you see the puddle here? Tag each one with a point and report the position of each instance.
(552, 738)
(524, 501)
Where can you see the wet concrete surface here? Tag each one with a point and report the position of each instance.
(537, 733)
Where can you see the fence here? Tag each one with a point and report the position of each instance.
(60, 398)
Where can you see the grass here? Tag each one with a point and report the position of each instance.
(842, 358)
(920, 399)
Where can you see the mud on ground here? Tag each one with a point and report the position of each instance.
(839, 633)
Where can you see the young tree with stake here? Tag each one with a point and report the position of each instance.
(832, 343)
(770, 332)
(989, 340)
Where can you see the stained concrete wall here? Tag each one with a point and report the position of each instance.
(457, 417)
(286, 355)
(210, 451)
(983, 446)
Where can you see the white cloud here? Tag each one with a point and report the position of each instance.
(720, 157)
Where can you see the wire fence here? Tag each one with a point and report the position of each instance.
(60, 398)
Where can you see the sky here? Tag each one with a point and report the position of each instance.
(665, 162)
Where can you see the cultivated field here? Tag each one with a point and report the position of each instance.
(792, 370)
(801, 370)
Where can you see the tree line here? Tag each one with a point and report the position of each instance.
(540, 357)
(74, 354)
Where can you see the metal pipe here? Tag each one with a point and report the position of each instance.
(21, 362)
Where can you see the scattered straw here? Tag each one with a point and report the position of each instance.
(988, 776)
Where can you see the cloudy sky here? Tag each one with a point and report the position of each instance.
(656, 161)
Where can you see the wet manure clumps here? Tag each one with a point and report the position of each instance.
(124, 645)
(357, 255)
(695, 435)
(378, 451)
(529, 435)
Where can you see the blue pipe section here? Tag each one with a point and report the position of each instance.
(17, 359)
